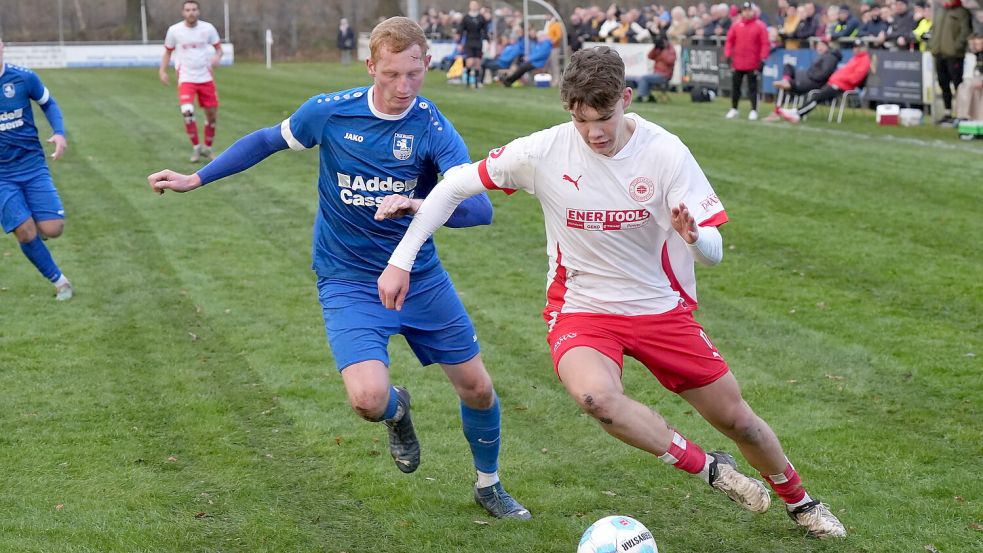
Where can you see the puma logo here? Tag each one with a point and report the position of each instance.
(576, 183)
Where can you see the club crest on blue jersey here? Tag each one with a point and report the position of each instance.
(402, 146)
(8, 90)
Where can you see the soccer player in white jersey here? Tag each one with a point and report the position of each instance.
(627, 211)
(197, 50)
(379, 143)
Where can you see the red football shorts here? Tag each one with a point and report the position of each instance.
(206, 92)
(671, 345)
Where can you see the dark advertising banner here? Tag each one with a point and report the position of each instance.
(703, 65)
(895, 77)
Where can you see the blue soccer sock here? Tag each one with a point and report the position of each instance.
(392, 405)
(38, 253)
(483, 430)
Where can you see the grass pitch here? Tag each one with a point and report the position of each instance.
(186, 400)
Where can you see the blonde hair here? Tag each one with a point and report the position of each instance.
(396, 34)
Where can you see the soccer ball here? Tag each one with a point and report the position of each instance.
(617, 534)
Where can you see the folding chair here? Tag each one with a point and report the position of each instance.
(843, 100)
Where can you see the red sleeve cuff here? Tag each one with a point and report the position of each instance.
(715, 220)
(487, 181)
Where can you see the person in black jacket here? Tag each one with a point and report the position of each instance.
(808, 25)
(473, 31)
(346, 41)
(798, 81)
(901, 32)
(847, 26)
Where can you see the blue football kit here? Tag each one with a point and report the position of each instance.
(26, 188)
(366, 155)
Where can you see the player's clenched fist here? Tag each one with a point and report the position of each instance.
(393, 285)
(170, 180)
(395, 206)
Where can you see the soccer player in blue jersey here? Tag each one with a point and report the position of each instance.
(376, 142)
(29, 204)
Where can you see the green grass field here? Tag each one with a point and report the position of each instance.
(186, 399)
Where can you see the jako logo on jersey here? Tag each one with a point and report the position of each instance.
(576, 183)
(402, 146)
(564, 338)
(8, 90)
(607, 219)
(352, 188)
(641, 189)
(354, 137)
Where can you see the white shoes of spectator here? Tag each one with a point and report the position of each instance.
(732, 114)
(753, 116)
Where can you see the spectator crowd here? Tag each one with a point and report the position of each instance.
(514, 50)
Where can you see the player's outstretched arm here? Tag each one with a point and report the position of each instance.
(433, 212)
(241, 155)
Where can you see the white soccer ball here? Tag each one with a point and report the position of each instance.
(617, 534)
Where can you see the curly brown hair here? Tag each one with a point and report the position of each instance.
(594, 78)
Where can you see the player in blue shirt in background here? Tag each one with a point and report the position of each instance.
(375, 142)
(29, 204)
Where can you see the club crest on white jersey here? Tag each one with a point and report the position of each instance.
(641, 189)
(402, 146)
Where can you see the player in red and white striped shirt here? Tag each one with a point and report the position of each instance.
(627, 212)
(197, 50)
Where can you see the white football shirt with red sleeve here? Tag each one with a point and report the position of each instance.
(193, 48)
(610, 241)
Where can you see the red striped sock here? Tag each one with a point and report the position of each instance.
(685, 455)
(209, 134)
(787, 485)
(192, 129)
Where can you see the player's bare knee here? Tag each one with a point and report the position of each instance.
(477, 393)
(745, 428)
(369, 406)
(51, 229)
(598, 404)
(26, 231)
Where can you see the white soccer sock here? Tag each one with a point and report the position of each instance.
(705, 473)
(486, 479)
(805, 499)
(61, 281)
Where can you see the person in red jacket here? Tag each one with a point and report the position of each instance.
(747, 48)
(844, 79)
(664, 56)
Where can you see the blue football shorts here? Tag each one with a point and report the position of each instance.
(433, 321)
(31, 195)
